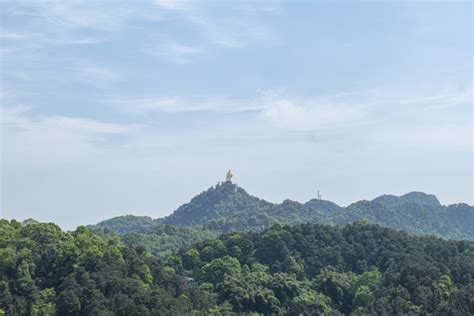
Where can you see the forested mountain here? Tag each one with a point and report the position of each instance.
(325, 208)
(418, 198)
(306, 269)
(160, 239)
(227, 207)
(127, 224)
(453, 221)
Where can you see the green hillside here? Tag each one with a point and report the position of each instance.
(160, 239)
(306, 269)
(312, 269)
(227, 207)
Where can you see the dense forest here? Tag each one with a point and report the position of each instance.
(157, 238)
(306, 269)
(45, 271)
(227, 252)
(312, 269)
(227, 207)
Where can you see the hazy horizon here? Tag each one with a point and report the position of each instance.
(114, 108)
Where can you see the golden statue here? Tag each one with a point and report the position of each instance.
(228, 176)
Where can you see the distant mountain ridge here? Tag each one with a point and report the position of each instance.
(227, 207)
(409, 198)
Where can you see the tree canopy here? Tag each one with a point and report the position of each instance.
(305, 269)
(227, 207)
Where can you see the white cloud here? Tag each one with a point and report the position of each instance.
(433, 98)
(103, 16)
(83, 125)
(167, 104)
(259, 7)
(92, 73)
(177, 52)
(269, 108)
(78, 41)
(375, 107)
(13, 36)
(83, 14)
(441, 137)
(156, 104)
(59, 20)
(29, 139)
(306, 114)
(18, 118)
(12, 116)
(5, 94)
(173, 5)
(310, 115)
(231, 32)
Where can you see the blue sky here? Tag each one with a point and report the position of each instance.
(112, 107)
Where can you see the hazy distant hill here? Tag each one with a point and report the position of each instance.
(414, 212)
(227, 207)
(160, 239)
(127, 224)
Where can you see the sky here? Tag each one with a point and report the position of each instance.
(133, 107)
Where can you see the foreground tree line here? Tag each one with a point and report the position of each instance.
(306, 269)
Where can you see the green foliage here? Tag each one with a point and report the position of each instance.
(312, 269)
(227, 207)
(363, 298)
(46, 271)
(311, 302)
(45, 305)
(127, 224)
(159, 239)
(307, 269)
(415, 212)
(218, 269)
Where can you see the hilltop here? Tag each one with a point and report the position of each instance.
(227, 207)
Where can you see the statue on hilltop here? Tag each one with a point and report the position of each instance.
(228, 176)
